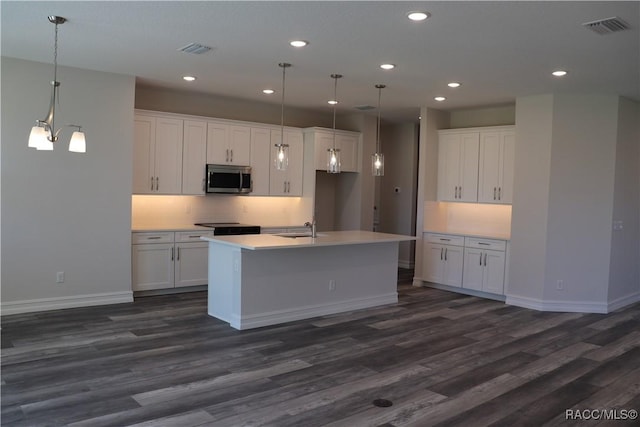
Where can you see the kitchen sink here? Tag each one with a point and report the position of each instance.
(293, 235)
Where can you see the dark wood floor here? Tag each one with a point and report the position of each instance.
(443, 359)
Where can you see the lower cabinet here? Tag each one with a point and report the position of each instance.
(164, 260)
(466, 262)
(443, 259)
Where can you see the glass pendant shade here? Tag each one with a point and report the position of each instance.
(282, 157)
(78, 143)
(377, 164)
(37, 137)
(333, 160)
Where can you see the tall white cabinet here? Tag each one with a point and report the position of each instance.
(157, 155)
(476, 164)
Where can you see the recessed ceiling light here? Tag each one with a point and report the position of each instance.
(418, 16)
(439, 98)
(268, 91)
(298, 43)
(387, 66)
(188, 78)
(559, 73)
(332, 102)
(453, 84)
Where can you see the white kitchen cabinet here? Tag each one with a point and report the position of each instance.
(228, 144)
(484, 265)
(157, 155)
(260, 161)
(194, 157)
(443, 259)
(458, 166)
(347, 142)
(496, 166)
(289, 181)
(164, 260)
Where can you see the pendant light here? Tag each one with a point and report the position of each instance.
(282, 149)
(333, 154)
(377, 159)
(43, 134)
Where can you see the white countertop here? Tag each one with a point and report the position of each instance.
(186, 227)
(325, 238)
(489, 235)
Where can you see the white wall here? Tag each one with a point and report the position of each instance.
(487, 116)
(534, 120)
(65, 211)
(624, 277)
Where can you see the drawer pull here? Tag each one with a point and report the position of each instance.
(194, 237)
(485, 244)
(154, 238)
(445, 240)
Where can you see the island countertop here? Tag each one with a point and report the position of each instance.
(324, 238)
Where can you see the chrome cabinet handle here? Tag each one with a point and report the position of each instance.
(441, 254)
(494, 193)
(226, 156)
(480, 259)
(157, 183)
(485, 259)
(178, 257)
(484, 244)
(151, 183)
(499, 193)
(460, 192)
(171, 254)
(445, 253)
(231, 156)
(445, 240)
(455, 193)
(153, 238)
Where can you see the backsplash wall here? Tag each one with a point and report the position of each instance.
(177, 211)
(467, 218)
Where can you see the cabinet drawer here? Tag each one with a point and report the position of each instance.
(192, 236)
(444, 239)
(152, 237)
(475, 242)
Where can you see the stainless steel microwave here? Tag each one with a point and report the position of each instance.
(230, 179)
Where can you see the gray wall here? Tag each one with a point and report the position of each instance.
(397, 210)
(65, 211)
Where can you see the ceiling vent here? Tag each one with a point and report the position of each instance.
(195, 48)
(364, 107)
(607, 26)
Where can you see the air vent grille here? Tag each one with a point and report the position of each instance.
(195, 48)
(364, 107)
(607, 26)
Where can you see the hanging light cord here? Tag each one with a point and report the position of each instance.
(378, 148)
(284, 67)
(335, 100)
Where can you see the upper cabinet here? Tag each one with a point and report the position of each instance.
(495, 171)
(194, 156)
(347, 142)
(228, 144)
(476, 165)
(287, 182)
(157, 155)
(458, 167)
(260, 161)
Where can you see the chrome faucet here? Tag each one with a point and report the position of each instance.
(312, 226)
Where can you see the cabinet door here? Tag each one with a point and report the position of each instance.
(489, 167)
(507, 160)
(143, 144)
(194, 157)
(289, 181)
(260, 160)
(322, 142)
(239, 145)
(217, 143)
(433, 262)
(191, 264)
(493, 275)
(168, 156)
(453, 264)
(473, 269)
(448, 167)
(152, 266)
(348, 153)
(468, 191)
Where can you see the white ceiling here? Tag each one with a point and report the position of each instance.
(497, 50)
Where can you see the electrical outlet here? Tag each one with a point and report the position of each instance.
(332, 285)
(560, 285)
(60, 277)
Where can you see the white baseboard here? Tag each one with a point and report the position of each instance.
(406, 263)
(560, 306)
(307, 312)
(45, 304)
(623, 301)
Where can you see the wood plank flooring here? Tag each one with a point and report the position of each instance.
(442, 358)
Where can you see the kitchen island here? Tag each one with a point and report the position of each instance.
(265, 279)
